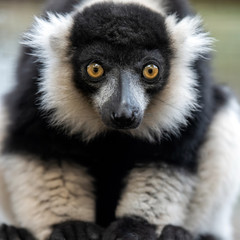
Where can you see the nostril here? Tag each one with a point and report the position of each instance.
(135, 112)
(133, 116)
(113, 116)
(123, 119)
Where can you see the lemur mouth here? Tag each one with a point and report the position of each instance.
(126, 127)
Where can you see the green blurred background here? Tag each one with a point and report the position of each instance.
(221, 19)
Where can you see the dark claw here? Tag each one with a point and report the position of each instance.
(207, 237)
(171, 232)
(129, 236)
(14, 233)
(130, 229)
(76, 230)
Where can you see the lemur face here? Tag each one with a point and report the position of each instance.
(113, 66)
(120, 59)
(120, 91)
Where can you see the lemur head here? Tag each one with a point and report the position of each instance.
(120, 60)
(110, 65)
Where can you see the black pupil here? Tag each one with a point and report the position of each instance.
(95, 69)
(150, 71)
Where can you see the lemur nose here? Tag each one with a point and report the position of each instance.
(124, 119)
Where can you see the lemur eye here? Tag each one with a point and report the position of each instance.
(95, 70)
(150, 71)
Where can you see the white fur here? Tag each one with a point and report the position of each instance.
(45, 194)
(219, 179)
(167, 112)
(161, 196)
(105, 93)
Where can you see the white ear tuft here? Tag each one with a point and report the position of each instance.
(49, 36)
(188, 38)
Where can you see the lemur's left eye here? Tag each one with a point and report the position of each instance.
(150, 71)
(95, 70)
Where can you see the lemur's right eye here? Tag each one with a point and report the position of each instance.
(95, 70)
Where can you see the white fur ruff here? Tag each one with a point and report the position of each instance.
(168, 112)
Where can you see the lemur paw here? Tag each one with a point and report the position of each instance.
(171, 232)
(76, 230)
(13, 233)
(130, 229)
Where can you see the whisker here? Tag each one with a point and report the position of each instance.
(168, 104)
(174, 107)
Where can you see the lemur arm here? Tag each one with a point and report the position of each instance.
(153, 198)
(44, 194)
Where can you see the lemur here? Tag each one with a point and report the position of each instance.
(116, 130)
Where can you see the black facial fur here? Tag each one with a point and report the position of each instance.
(121, 25)
(118, 36)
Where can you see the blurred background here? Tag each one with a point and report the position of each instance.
(221, 19)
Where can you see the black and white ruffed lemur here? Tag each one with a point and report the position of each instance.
(115, 129)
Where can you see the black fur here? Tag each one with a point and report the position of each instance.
(75, 230)
(136, 31)
(133, 228)
(98, 37)
(208, 237)
(13, 233)
(114, 153)
(171, 232)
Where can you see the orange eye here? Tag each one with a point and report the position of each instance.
(95, 70)
(150, 71)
